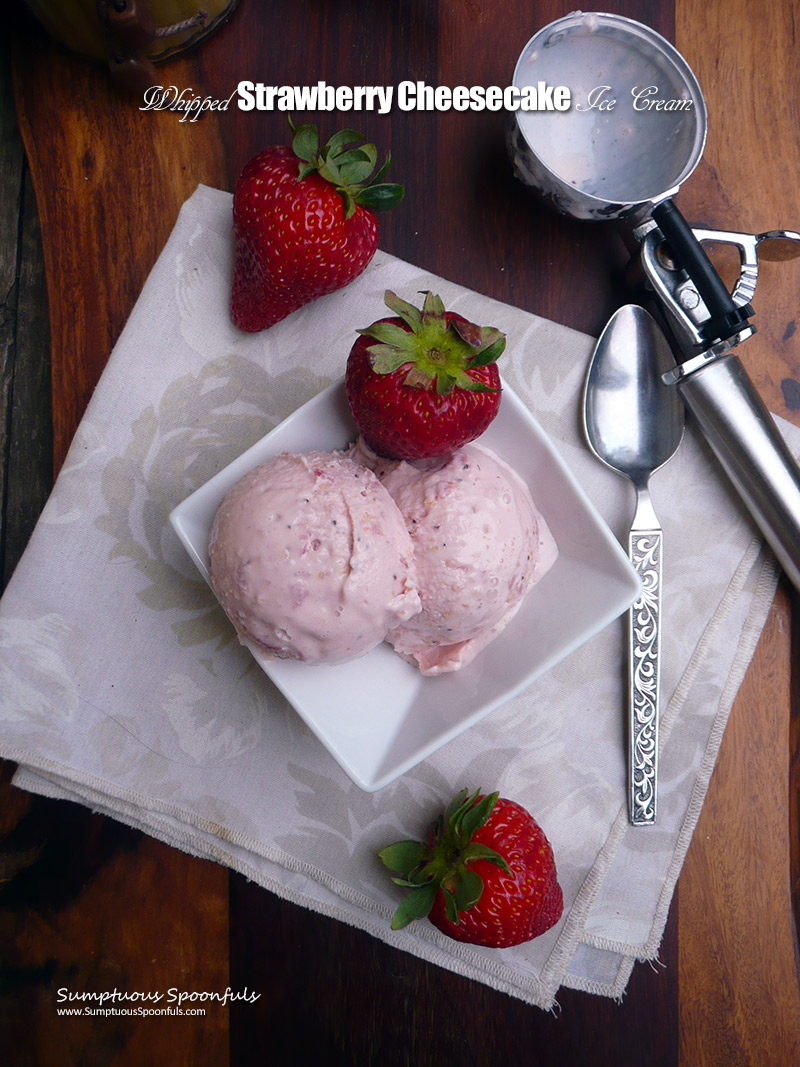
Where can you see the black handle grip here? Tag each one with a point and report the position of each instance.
(726, 318)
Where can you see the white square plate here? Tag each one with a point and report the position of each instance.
(378, 716)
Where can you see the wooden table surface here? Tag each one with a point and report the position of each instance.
(87, 206)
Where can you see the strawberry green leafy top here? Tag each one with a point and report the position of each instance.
(346, 163)
(441, 349)
(427, 869)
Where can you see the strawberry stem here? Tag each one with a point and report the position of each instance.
(347, 162)
(437, 351)
(443, 865)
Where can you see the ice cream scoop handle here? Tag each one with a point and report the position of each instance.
(752, 451)
(644, 549)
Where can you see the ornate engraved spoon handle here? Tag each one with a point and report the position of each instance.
(644, 547)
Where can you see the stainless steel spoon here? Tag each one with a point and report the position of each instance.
(634, 424)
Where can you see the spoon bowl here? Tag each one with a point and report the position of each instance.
(634, 424)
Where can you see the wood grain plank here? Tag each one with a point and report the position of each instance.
(333, 994)
(96, 906)
(465, 218)
(105, 908)
(29, 452)
(745, 181)
(739, 985)
(738, 971)
(91, 152)
(15, 853)
(11, 186)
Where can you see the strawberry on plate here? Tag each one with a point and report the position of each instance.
(304, 223)
(487, 876)
(422, 383)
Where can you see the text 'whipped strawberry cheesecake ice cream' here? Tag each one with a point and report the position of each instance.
(311, 559)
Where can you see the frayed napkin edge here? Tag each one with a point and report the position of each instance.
(763, 596)
(204, 846)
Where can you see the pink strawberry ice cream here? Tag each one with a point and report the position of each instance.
(311, 560)
(479, 545)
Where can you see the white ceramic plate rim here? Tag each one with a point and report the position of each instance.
(590, 585)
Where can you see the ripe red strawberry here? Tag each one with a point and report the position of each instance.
(423, 383)
(304, 223)
(487, 876)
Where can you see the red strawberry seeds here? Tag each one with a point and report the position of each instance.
(487, 876)
(304, 224)
(424, 382)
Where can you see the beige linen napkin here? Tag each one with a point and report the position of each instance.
(121, 686)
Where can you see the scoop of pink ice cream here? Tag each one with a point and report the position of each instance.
(311, 560)
(479, 546)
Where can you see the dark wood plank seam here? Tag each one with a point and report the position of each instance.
(10, 222)
(30, 443)
(794, 772)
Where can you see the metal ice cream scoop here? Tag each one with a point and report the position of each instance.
(634, 133)
(634, 424)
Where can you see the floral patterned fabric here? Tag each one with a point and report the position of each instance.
(122, 685)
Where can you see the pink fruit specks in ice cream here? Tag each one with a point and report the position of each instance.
(311, 560)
